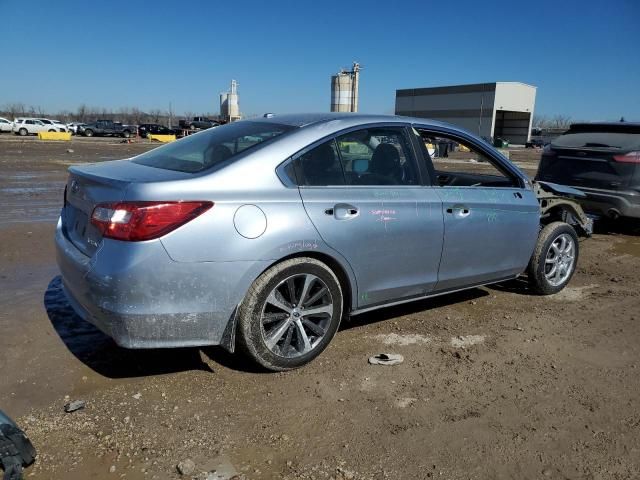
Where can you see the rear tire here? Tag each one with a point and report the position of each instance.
(554, 258)
(126, 134)
(52, 130)
(288, 336)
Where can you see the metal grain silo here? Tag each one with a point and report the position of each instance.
(232, 102)
(344, 90)
(229, 104)
(224, 106)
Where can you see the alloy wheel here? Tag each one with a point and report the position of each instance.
(560, 260)
(296, 315)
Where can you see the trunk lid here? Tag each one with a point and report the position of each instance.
(584, 156)
(89, 185)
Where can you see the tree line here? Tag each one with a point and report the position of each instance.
(553, 122)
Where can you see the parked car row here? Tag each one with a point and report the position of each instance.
(31, 126)
(24, 126)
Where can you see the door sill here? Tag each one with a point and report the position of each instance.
(438, 293)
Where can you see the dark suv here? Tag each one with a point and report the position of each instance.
(602, 160)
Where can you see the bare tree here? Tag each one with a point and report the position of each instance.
(81, 113)
(155, 115)
(561, 121)
(14, 110)
(540, 121)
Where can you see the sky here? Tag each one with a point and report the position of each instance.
(583, 56)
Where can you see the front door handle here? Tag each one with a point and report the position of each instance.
(459, 211)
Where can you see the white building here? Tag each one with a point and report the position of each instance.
(489, 110)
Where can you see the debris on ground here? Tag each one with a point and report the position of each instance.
(186, 467)
(464, 341)
(388, 359)
(74, 406)
(16, 450)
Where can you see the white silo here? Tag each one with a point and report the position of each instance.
(224, 105)
(229, 104)
(344, 90)
(232, 102)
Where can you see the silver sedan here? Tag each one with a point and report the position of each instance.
(263, 234)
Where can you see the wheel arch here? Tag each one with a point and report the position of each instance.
(346, 278)
(566, 211)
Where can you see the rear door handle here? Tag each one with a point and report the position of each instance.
(343, 211)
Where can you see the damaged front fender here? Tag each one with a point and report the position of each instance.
(560, 201)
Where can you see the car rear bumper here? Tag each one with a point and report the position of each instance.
(611, 203)
(137, 295)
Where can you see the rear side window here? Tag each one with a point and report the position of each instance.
(211, 148)
(377, 156)
(368, 157)
(320, 166)
(607, 140)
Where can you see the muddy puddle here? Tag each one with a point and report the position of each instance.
(629, 246)
(31, 196)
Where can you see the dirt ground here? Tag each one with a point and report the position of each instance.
(496, 383)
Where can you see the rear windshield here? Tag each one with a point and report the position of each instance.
(212, 147)
(608, 140)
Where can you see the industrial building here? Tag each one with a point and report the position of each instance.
(229, 105)
(489, 110)
(344, 90)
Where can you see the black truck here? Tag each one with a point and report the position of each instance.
(103, 128)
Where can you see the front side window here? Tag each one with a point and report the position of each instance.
(211, 148)
(458, 163)
(377, 156)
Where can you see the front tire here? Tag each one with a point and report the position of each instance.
(126, 134)
(88, 133)
(290, 314)
(554, 259)
(23, 132)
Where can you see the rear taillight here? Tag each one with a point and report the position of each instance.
(137, 221)
(631, 157)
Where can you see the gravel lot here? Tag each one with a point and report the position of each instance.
(496, 383)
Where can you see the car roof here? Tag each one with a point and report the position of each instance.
(305, 119)
(621, 127)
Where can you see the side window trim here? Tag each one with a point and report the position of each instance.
(497, 162)
(425, 165)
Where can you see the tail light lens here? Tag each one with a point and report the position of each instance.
(138, 221)
(631, 157)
